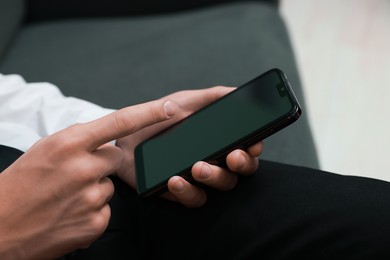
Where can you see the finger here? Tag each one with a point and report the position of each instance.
(195, 99)
(126, 121)
(242, 162)
(98, 194)
(96, 226)
(186, 193)
(101, 222)
(256, 149)
(214, 176)
(189, 101)
(107, 159)
(107, 188)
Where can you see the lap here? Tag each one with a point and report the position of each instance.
(282, 211)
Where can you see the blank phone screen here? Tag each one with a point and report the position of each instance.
(214, 129)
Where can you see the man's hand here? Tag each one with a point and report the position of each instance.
(53, 199)
(238, 161)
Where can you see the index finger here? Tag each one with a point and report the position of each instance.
(126, 121)
(195, 99)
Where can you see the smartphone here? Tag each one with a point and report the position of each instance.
(245, 116)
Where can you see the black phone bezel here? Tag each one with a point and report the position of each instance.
(218, 158)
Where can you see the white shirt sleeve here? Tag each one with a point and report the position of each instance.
(30, 111)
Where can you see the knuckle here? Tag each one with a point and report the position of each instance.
(68, 139)
(99, 221)
(155, 112)
(85, 172)
(93, 198)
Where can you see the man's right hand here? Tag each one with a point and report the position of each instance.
(54, 198)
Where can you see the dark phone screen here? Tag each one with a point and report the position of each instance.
(249, 109)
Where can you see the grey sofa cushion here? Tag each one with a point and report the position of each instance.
(11, 16)
(121, 61)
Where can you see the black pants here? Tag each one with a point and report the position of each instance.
(280, 212)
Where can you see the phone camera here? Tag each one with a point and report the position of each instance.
(281, 89)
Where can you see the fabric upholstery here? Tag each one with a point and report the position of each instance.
(11, 16)
(121, 61)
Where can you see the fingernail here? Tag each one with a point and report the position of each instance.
(169, 108)
(205, 171)
(179, 186)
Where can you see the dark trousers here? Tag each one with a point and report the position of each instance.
(281, 212)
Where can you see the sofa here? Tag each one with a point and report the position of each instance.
(121, 52)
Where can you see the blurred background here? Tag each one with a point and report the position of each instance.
(342, 50)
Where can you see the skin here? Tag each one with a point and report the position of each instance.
(54, 198)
